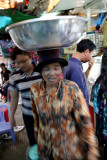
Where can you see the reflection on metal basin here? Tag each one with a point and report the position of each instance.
(39, 33)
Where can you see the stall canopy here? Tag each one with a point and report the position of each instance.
(10, 16)
(28, 9)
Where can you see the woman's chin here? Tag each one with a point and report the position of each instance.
(52, 82)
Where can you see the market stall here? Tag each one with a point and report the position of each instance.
(63, 31)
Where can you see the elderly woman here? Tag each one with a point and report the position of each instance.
(63, 127)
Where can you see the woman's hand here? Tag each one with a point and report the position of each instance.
(91, 62)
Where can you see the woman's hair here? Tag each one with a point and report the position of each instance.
(16, 51)
(102, 79)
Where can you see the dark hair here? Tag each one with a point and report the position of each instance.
(84, 45)
(102, 79)
(2, 64)
(16, 51)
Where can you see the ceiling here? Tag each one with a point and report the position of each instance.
(96, 6)
(35, 7)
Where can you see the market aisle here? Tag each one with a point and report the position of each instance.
(9, 151)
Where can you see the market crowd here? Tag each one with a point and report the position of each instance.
(55, 110)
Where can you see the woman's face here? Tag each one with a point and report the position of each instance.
(51, 73)
(23, 62)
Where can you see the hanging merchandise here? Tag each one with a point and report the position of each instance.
(70, 50)
(94, 36)
(105, 33)
(11, 66)
(34, 57)
(6, 47)
(97, 21)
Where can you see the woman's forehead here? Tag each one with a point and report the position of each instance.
(22, 56)
(53, 64)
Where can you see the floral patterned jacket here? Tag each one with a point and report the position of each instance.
(62, 123)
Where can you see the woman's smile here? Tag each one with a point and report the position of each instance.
(51, 73)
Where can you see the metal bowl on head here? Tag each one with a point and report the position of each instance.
(45, 33)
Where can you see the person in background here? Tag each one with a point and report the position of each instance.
(5, 75)
(20, 82)
(97, 27)
(74, 70)
(99, 97)
(62, 122)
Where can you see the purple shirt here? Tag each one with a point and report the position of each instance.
(74, 72)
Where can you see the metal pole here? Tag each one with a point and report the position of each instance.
(88, 15)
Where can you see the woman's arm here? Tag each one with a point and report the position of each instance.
(1, 80)
(13, 105)
(35, 115)
(8, 79)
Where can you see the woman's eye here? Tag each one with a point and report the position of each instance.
(46, 69)
(56, 68)
(23, 61)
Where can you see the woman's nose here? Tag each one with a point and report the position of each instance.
(20, 65)
(52, 72)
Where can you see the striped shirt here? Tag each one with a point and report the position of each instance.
(20, 82)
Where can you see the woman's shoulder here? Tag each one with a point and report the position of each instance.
(71, 84)
(37, 84)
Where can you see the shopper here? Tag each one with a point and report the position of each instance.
(99, 97)
(5, 75)
(20, 82)
(63, 127)
(74, 70)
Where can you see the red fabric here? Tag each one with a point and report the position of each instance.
(6, 115)
(91, 109)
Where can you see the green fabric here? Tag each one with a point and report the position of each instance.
(16, 16)
(33, 153)
(4, 20)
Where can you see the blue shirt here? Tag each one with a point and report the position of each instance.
(74, 72)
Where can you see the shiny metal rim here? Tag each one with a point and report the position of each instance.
(44, 20)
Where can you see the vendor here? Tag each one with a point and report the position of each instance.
(62, 122)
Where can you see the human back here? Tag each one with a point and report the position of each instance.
(74, 70)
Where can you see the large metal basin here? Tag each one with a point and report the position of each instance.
(39, 33)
